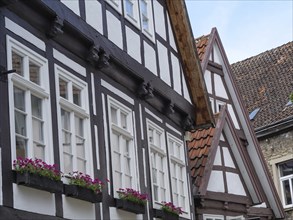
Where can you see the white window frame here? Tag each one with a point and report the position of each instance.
(159, 151)
(218, 104)
(30, 88)
(124, 134)
(180, 163)
(81, 111)
(135, 18)
(116, 4)
(282, 179)
(213, 217)
(241, 217)
(150, 32)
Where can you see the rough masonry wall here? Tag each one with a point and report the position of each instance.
(277, 147)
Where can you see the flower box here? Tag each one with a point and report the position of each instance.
(82, 193)
(130, 206)
(38, 182)
(165, 215)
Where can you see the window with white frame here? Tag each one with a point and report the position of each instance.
(286, 182)
(138, 12)
(122, 145)
(75, 144)
(178, 172)
(146, 16)
(30, 105)
(235, 217)
(158, 162)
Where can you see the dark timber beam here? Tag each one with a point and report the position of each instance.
(190, 61)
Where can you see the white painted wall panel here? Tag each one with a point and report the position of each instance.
(208, 81)
(120, 214)
(77, 209)
(218, 160)
(185, 90)
(176, 74)
(133, 44)
(23, 33)
(233, 116)
(33, 200)
(216, 181)
(234, 184)
(93, 14)
(73, 5)
(219, 87)
(163, 63)
(114, 30)
(150, 58)
(159, 19)
(227, 158)
(171, 36)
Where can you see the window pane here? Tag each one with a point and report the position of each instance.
(287, 192)
(151, 138)
(144, 7)
(145, 22)
(38, 130)
(76, 95)
(80, 147)
(114, 115)
(65, 118)
(36, 107)
(68, 167)
(63, 88)
(156, 194)
(39, 151)
(21, 148)
(20, 126)
(286, 168)
(129, 7)
(66, 141)
(115, 142)
(79, 126)
(81, 165)
(123, 120)
(34, 73)
(19, 101)
(127, 181)
(17, 63)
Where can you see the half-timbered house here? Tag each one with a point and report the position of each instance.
(98, 87)
(229, 175)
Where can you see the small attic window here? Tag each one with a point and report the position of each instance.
(253, 113)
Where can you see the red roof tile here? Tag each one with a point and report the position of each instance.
(201, 44)
(198, 150)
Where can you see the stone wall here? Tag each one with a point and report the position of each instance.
(277, 149)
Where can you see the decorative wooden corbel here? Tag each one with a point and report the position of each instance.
(169, 110)
(226, 205)
(93, 55)
(188, 123)
(103, 60)
(145, 91)
(56, 28)
(4, 73)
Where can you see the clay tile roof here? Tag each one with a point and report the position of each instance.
(201, 44)
(198, 150)
(265, 81)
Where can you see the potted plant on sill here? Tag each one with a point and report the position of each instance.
(82, 186)
(168, 211)
(37, 174)
(131, 200)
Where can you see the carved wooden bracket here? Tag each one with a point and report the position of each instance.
(188, 123)
(56, 28)
(145, 91)
(93, 54)
(103, 59)
(169, 110)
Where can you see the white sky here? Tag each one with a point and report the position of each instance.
(246, 27)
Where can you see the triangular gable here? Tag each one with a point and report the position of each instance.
(215, 59)
(206, 152)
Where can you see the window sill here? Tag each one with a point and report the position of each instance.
(164, 215)
(82, 193)
(37, 182)
(130, 206)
